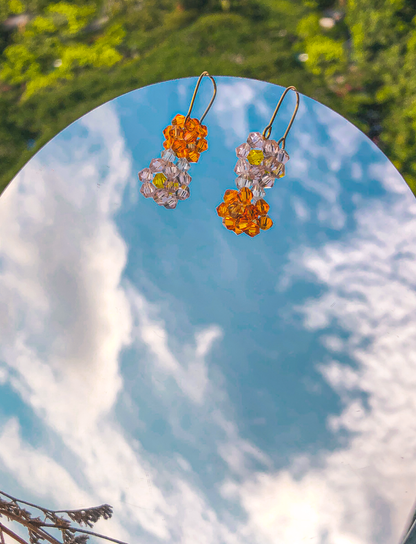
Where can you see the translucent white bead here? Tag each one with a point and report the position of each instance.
(168, 155)
(161, 196)
(171, 171)
(184, 178)
(267, 181)
(270, 147)
(242, 168)
(157, 165)
(145, 175)
(243, 150)
(147, 189)
(282, 156)
(183, 165)
(255, 139)
(183, 192)
(171, 202)
(243, 182)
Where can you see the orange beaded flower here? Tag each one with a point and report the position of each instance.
(240, 215)
(186, 138)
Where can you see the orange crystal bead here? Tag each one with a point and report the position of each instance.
(201, 145)
(251, 211)
(245, 195)
(190, 136)
(192, 155)
(253, 229)
(182, 153)
(179, 120)
(230, 195)
(235, 209)
(222, 209)
(262, 207)
(192, 124)
(178, 145)
(167, 144)
(166, 132)
(265, 222)
(242, 222)
(202, 131)
(229, 223)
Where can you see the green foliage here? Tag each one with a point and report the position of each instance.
(70, 56)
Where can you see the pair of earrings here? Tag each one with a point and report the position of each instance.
(260, 162)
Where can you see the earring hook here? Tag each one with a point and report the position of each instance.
(268, 130)
(195, 92)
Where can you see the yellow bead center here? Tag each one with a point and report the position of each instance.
(255, 157)
(159, 181)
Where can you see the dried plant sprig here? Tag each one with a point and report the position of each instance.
(12, 510)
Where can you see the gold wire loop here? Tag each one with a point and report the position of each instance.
(195, 92)
(268, 130)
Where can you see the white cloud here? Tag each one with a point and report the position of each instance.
(362, 492)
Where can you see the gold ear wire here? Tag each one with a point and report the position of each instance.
(268, 130)
(195, 93)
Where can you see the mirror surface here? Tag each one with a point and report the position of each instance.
(212, 388)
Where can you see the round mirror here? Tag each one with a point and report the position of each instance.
(212, 388)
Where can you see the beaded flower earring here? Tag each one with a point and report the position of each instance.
(260, 162)
(167, 179)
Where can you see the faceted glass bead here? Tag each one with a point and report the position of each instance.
(273, 166)
(243, 150)
(242, 168)
(255, 156)
(282, 156)
(171, 171)
(161, 196)
(184, 178)
(222, 209)
(159, 181)
(171, 202)
(192, 155)
(168, 143)
(147, 189)
(183, 165)
(258, 193)
(229, 222)
(270, 147)
(267, 181)
(282, 171)
(177, 133)
(202, 131)
(230, 195)
(255, 139)
(201, 145)
(183, 192)
(235, 209)
(245, 195)
(157, 165)
(242, 222)
(145, 175)
(166, 131)
(172, 186)
(243, 182)
(253, 229)
(251, 211)
(178, 146)
(262, 207)
(168, 155)
(257, 172)
(265, 222)
(190, 136)
(182, 153)
(179, 120)
(191, 124)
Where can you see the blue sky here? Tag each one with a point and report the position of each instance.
(212, 388)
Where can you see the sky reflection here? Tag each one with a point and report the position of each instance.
(212, 388)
